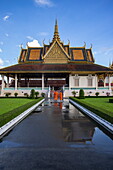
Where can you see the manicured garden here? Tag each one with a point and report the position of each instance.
(98, 105)
(12, 107)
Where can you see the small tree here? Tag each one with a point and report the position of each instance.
(43, 94)
(7, 94)
(81, 94)
(74, 93)
(36, 94)
(26, 95)
(15, 94)
(32, 95)
(97, 93)
(108, 94)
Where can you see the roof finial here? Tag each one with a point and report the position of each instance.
(91, 46)
(56, 33)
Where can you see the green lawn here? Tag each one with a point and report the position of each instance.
(8, 104)
(100, 106)
(12, 107)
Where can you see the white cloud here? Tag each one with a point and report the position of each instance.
(104, 51)
(34, 43)
(6, 18)
(7, 61)
(1, 50)
(1, 62)
(29, 37)
(43, 33)
(7, 35)
(44, 3)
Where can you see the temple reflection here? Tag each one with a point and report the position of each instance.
(76, 126)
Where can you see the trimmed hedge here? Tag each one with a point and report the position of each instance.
(8, 116)
(95, 110)
(110, 100)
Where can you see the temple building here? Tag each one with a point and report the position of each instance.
(57, 66)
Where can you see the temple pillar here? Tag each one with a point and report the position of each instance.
(109, 82)
(69, 81)
(7, 81)
(15, 81)
(96, 81)
(2, 81)
(104, 82)
(42, 81)
(28, 82)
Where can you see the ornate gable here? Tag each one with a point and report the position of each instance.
(56, 54)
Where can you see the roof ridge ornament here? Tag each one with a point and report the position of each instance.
(84, 44)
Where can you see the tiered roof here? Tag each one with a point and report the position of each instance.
(56, 57)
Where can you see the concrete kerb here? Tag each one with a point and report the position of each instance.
(107, 125)
(8, 126)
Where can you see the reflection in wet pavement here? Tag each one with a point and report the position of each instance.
(57, 125)
(76, 127)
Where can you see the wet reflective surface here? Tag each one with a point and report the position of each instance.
(56, 132)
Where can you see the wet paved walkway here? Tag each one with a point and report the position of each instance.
(56, 139)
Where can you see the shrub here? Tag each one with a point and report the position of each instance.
(43, 94)
(36, 94)
(32, 95)
(74, 93)
(110, 100)
(108, 94)
(26, 95)
(7, 94)
(81, 94)
(15, 94)
(97, 93)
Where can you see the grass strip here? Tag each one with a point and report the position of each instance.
(102, 112)
(8, 116)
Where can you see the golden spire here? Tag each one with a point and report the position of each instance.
(56, 33)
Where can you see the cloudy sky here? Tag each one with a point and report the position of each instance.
(32, 21)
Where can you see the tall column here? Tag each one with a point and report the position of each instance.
(15, 81)
(104, 82)
(109, 82)
(2, 81)
(69, 81)
(7, 81)
(42, 81)
(96, 81)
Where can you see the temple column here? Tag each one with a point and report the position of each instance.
(104, 82)
(28, 82)
(7, 81)
(96, 81)
(2, 81)
(69, 81)
(42, 81)
(15, 81)
(109, 82)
